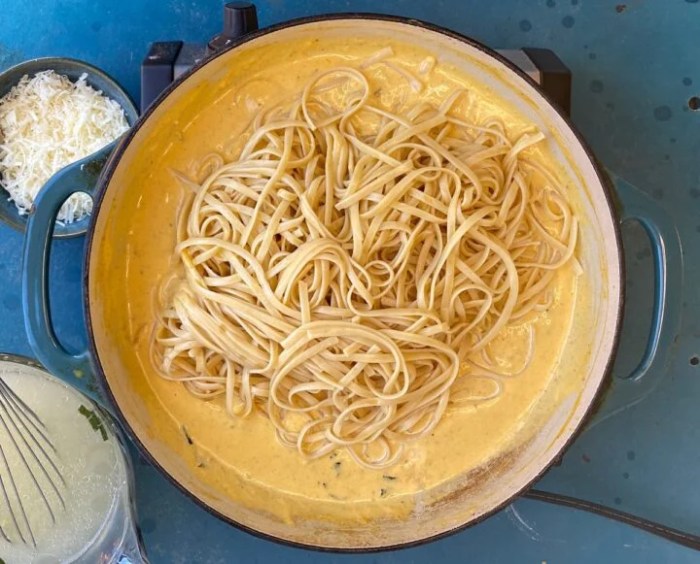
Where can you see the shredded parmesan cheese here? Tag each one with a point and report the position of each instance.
(415, 84)
(377, 57)
(46, 123)
(426, 65)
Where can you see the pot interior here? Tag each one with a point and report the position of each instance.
(133, 238)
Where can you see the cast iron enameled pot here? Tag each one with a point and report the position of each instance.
(601, 252)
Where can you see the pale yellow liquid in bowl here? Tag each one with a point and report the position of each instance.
(89, 460)
(237, 462)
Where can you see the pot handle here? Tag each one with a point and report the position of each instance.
(80, 176)
(667, 255)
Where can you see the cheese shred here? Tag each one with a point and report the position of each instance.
(46, 123)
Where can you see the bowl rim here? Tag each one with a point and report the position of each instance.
(38, 64)
(114, 160)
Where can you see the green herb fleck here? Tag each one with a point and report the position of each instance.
(94, 420)
(387, 477)
(187, 435)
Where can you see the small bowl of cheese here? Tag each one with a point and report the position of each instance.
(55, 111)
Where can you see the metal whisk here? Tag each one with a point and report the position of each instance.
(30, 480)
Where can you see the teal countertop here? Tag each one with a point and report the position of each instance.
(635, 66)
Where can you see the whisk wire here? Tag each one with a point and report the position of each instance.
(25, 448)
(21, 413)
(10, 475)
(29, 414)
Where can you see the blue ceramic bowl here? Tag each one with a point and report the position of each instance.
(73, 69)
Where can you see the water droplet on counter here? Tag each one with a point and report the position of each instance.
(596, 86)
(662, 113)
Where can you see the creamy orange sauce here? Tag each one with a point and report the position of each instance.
(240, 458)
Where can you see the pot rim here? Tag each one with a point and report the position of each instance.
(114, 159)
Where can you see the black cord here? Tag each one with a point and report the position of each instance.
(681, 537)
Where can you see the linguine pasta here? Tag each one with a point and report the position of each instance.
(346, 272)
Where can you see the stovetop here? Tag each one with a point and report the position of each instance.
(634, 70)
